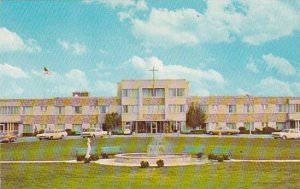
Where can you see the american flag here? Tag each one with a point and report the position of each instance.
(46, 71)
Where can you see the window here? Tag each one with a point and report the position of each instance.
(130, 109)
(9, 110)
(204, 107)
(154, 109)
(264, 106)
(176, 108)
(92, 125)
(231, 108)
(172, 92)
(181, 108)
(264, 124)
(130, 92)
(248, 125)
(44, 126)
(280, 125)
(27, 128)
(158, 92)
(60, 127)
(231, 125)
(176, 92)
(27, 109)
(93, 108)
(44, 108)
(280, 107)
(78, 109)
(103, 109)
(77, 128)
(247, 108)
(294, 108)
(215, 107)
(60, 109)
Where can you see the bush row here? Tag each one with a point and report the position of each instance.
(159, 163)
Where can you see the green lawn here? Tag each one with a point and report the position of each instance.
(243, 148)
(213, 175)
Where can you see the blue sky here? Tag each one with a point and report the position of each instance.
(225, 47)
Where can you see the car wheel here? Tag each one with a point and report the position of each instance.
(51, 138)
(211, 133)
(284, 137)
(40, 138)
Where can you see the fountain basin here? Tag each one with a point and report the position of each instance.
(136, 158)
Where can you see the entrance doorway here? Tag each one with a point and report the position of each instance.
(153, 127)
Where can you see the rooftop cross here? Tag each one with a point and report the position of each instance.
(153, 71)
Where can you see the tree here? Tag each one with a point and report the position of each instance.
(195, 117)
(112, 120)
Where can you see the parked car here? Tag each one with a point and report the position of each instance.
(51, 134)
(287, 134)
(127, 132)
(93, 133)
(8, 137)
(222, 130)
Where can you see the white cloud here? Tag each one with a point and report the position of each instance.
(75, 48)
(241, 91)
(275, 87)
(254, 22)
(12, 71)
(105, 88)
(102, 51)
(77, 78)
(251, 66)
(137, 4)
(202, 80)
(281, 65)
(11, 42)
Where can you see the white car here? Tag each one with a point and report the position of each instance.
(93, 133)
(50, 134)
(222, 130)
(287, 134)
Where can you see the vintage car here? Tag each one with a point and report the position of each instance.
(222, 130)
(8, 137)
(51, 134)
(287, 134)
(91, 132)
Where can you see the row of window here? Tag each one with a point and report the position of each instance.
(13, 110)
(149, 92)
(249, 108)
(248, 125)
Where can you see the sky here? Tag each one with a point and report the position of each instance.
(226, 47)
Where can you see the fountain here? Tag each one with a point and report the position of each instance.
(156, 150)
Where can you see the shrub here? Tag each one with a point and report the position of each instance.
(41, 131)
(160, 163)
(200, 131)
(226, 157)
(80, 157)
(94, 157)
(87, 160)
(144, 164)
(268, 130)
(199, 155)
(27, 134)
(212, 156)
(104, 156)
(220, 158)
(257, 131)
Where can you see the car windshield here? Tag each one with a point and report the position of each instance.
(49, 131)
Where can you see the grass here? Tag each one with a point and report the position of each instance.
(212, 175)
(243, 148)
(223, 175)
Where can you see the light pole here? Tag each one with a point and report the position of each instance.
(251, 113)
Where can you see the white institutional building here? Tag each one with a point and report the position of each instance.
(147, 106)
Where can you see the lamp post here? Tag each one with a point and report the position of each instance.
(251, 113)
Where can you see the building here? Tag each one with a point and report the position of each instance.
(147, 106)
